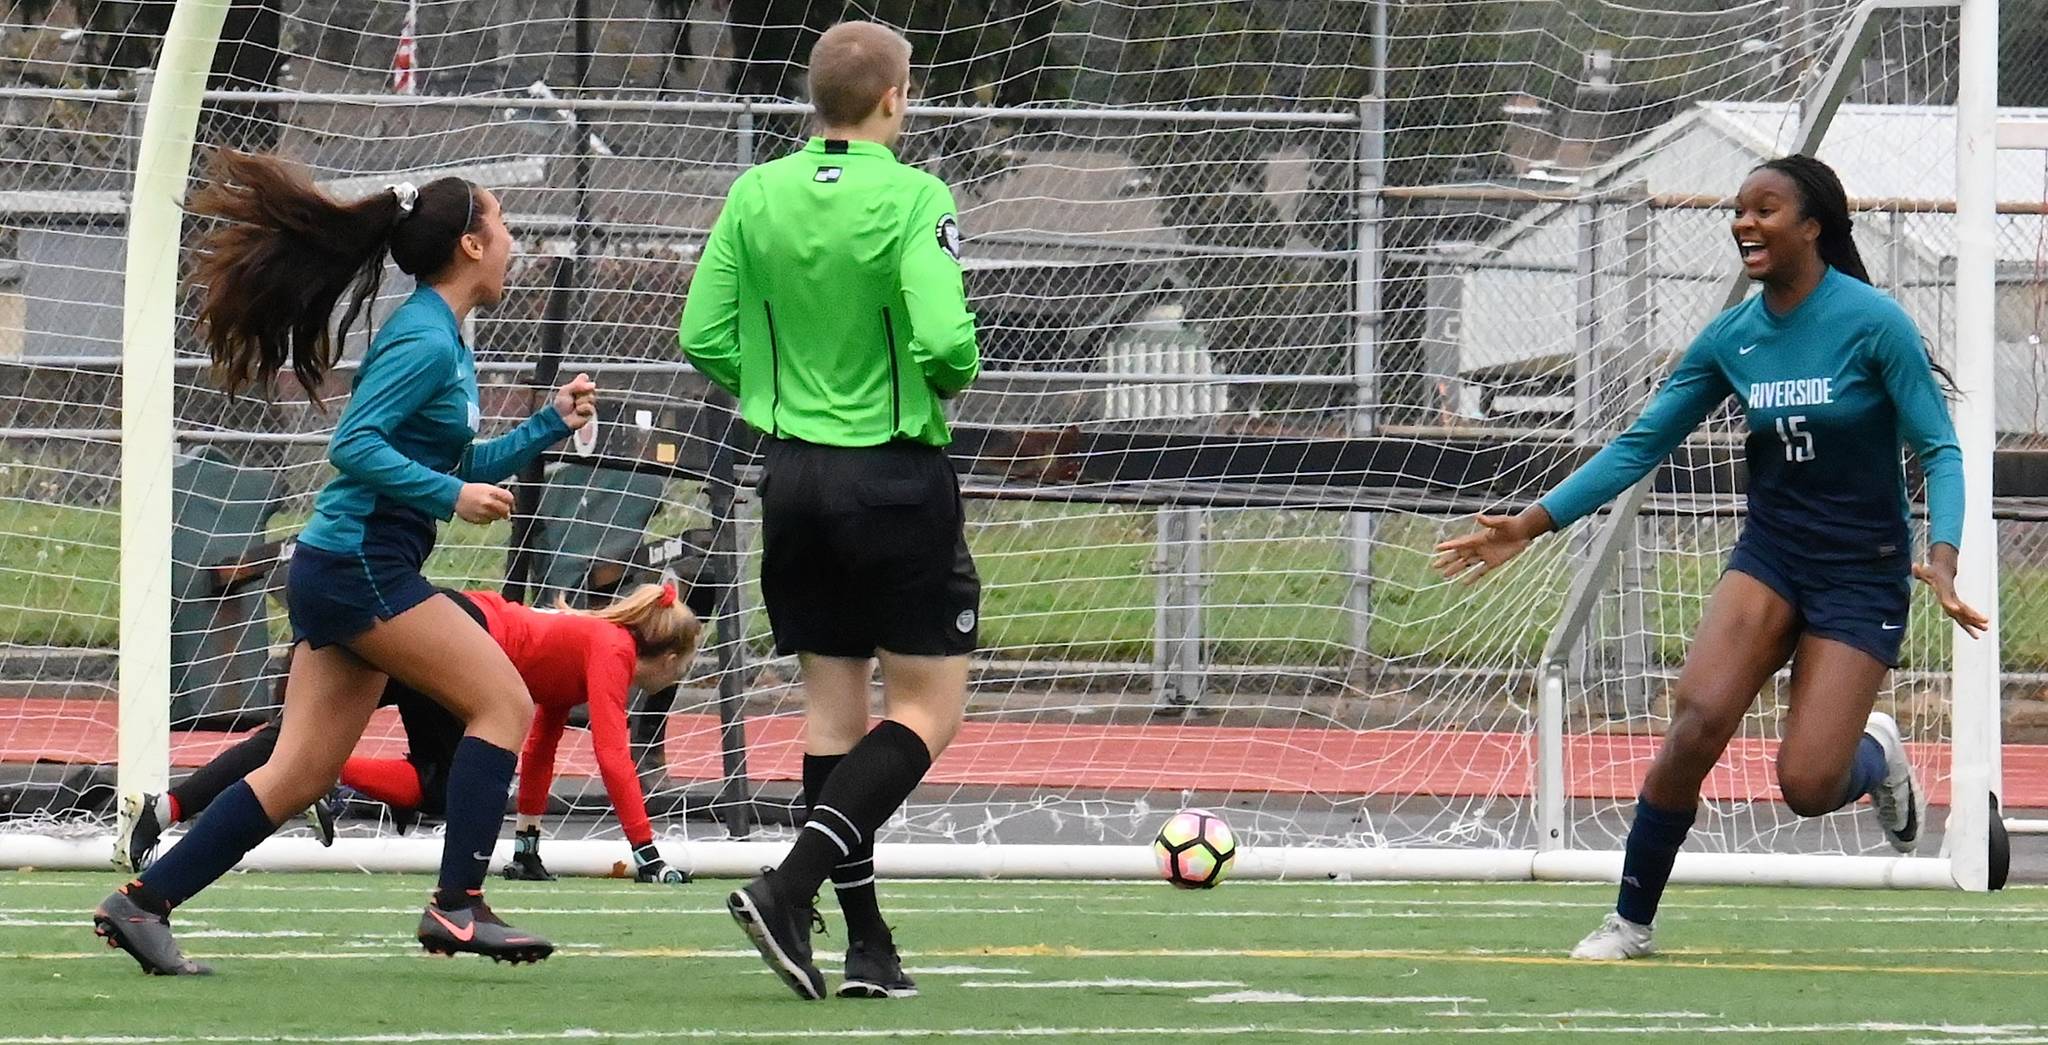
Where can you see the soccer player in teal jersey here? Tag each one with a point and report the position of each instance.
(1832, 377)
(829, 299)
(273, 270)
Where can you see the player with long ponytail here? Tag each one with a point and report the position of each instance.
(272, 271)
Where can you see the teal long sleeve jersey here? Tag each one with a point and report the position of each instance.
(406, 438)
(1830, 389)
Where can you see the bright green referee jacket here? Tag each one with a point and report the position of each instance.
(829, 299)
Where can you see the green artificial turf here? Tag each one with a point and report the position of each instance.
(329, 958)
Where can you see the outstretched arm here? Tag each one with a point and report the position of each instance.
(1696, 387)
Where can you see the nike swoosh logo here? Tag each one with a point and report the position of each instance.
(485, 857)
(464, 933)
(1745, 350)
(1891, 627)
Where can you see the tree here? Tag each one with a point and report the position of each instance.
(122, 37)
(963, 51)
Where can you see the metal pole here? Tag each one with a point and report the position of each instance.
(584, 230)
(547, 368)
(1369, 303)
(1586, 346)
(734, 804)
(1626, 364)
(1976, 694)
(1550, 810)
(1371, 167)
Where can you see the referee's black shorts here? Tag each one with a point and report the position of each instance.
(865, 549)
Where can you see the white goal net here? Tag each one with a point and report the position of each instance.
(1272, 296)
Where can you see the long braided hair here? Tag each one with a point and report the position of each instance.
(1822, 198)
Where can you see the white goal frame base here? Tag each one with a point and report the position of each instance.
(729, 859)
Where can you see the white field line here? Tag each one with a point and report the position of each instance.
(582, 887)
(1289, 998)
(1861, 969)
(1978, 1033)
(1106, 983)
(1960, 916)
(1577, 1014)
(1005, 891)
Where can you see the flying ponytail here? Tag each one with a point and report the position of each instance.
(272, 272)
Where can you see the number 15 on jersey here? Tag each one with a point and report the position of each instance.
(1798, 441)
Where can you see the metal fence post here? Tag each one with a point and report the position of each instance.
(1177, 662)
(1367, 272)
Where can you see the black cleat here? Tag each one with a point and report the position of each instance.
(781, 932)
(141, 830)
(320, 817)
(475, 930)
(146, 937)
(875, 972)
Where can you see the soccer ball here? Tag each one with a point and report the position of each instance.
(1195, 849)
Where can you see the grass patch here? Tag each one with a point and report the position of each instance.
(1044, 961)
(1080, 582)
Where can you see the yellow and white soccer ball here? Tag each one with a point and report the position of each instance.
(1195, 849)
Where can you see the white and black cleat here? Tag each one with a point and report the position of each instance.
(144, 819)
(320, 817)
(781, 932)
(1898, 800)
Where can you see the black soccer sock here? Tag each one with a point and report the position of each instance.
(194, 793)
(864, 790)
(217, 842)
(478, 780)
(853, 878)
(1653, 843)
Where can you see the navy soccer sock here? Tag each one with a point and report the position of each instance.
(234, 824)
(479, 777)
(1866, 771)
(1653, 843)
(206, 783)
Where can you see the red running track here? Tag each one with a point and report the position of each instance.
(1107, 757)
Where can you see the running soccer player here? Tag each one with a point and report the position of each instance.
(1832, 376)
(361, 612)
(829, 299)
(567, 657)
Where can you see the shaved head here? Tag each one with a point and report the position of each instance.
(852, 66)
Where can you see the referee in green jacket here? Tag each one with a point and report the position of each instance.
(829, 300)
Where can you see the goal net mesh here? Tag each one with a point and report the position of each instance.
(1270, 300)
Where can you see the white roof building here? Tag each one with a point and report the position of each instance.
(1659, 273)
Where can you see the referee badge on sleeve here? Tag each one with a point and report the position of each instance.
(949, 237)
